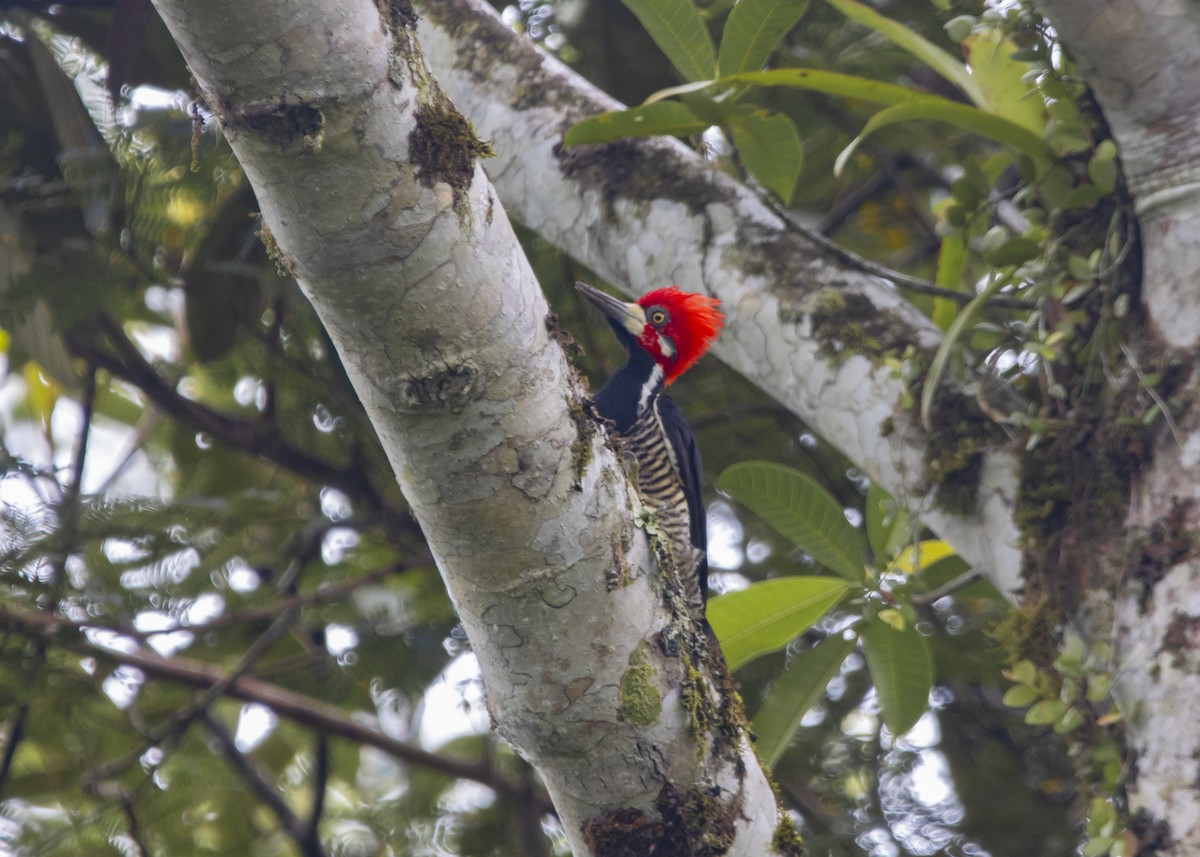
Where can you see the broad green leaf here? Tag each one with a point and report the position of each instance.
(794, 693)
(902, 670)
(961, 116)
(766, 616)
(832, 83)
(753, 30)
(1001, 81)
(951, 265)
(942, 62)
(664, 117)
(678, 29)
(770, 148)
(799, 508)
(887, 524)
(941, 358)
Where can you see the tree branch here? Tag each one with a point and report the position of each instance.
(294, 706)
(292, 825)
(252, 437)
(811, 330)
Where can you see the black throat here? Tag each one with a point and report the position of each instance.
(631, 391)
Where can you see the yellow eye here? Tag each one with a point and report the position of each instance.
(658, 316)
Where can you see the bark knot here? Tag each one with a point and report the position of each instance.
(281, 123)
(448, 388)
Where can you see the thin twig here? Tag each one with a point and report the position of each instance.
(320, 785)
(68, 504)
(134, 828)
(914, 284)
(290, 823)
(947, 588)
(175, 726)
(248, 436)
(321, 595)
(1154, 395)
(16, 731)
(294, 706)
(68, 521)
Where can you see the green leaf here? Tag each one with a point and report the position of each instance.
(832, 83)
(766, 616)
(663, 117)
(1020, 695)
(948, 568)
(951, 265)
(1023, 672)
(800, 509)
(1045, 712)
(1016, 251)
(1102, 168)
(794, 693)
(1001, 80)
(961, 116)
(959, 27)
(753, 30)
(888, 526)
(942, 62)
(678, 29)
(770, 148)
(1070, 720)
(902, 669)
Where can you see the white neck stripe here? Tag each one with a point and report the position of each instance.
(652, 385)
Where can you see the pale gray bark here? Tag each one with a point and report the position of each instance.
(1142, 61)
(412, 265)
(647, 213)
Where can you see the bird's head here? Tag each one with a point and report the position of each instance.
(672, 326)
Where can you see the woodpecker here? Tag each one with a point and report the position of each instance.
(665, 331)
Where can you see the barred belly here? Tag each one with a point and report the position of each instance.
(661, 489)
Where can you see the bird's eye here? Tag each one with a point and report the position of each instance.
(658, 317)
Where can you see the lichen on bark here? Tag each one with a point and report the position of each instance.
(640, 702)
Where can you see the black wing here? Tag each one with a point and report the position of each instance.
(687, 453)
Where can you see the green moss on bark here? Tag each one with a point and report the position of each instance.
(444, 146)
(640, 702)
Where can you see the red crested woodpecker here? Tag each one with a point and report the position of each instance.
(665, 331)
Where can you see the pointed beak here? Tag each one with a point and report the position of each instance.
(631, 317)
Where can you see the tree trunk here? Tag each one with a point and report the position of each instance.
(1142, 59)
(368, 183)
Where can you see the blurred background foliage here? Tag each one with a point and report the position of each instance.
(186, 477)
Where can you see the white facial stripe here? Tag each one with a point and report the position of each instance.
(666, 346)
(653, 383)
